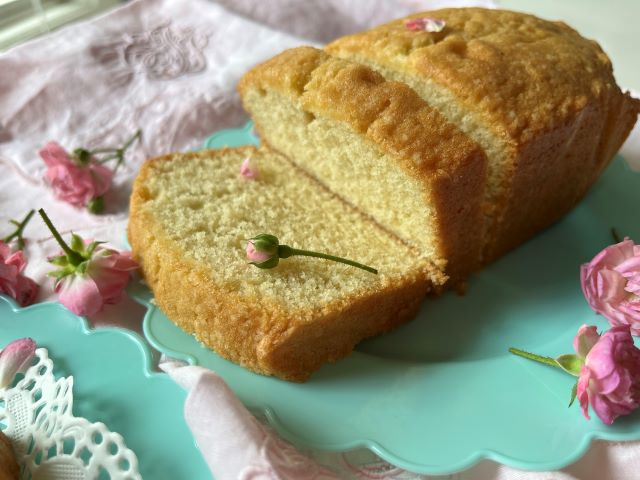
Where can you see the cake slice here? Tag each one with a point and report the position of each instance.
(377, 145)
(191, 215)
(540, 99)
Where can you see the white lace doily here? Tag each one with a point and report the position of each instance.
(49, 441)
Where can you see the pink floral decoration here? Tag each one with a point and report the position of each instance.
(12, 281)
(15, 358)
(425, 24)
(254, 255)
(609, 380)
(72, 181)
(102, 283)
(611, 284)
(249, 170)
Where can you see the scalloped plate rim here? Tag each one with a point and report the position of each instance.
(375, 445)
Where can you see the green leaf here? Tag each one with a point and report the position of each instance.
(77, 244)
(574, 392)
(60, 261)
(570, 363)
(91, 248)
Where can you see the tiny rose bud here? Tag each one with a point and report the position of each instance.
(82, 155)
(15, 358)
(262, 251)
(249, 170)
(265, 251)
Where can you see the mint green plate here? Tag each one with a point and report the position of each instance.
(113, 384)
(441, 393)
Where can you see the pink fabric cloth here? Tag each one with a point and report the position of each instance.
(170, 68)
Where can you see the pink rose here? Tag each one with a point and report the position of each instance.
(12, 281)
(102, 282)
(72, 181)
(609, 380)
(611, 284)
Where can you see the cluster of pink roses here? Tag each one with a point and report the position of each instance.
(607, 365)
(88, 276)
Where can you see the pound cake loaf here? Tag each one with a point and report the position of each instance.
(191, 215)
(379, 146)
(540, 99)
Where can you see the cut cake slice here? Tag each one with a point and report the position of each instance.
(191, 215)
(377, 145)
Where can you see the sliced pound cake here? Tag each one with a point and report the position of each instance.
(540, 99)
(191, 215)
(379, 146)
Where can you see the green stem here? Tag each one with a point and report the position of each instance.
(285, 251)
(18, 232)
(104, 150)
(133, 138)
(536, 358)
(74, 257)
(615, 235)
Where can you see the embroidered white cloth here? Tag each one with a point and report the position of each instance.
(170, 68)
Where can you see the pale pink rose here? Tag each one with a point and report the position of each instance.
(611, 284)
(101, 284)
(12, 281)
(610, 377)
(72, 182)
(249, 170)
(15, 358)
(425, 24)
(254, 255)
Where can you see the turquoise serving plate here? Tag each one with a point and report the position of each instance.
(113, 384)
(442, 393)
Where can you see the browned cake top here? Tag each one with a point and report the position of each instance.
(388, 113)
(521, 73)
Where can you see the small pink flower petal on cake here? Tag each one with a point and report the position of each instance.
(425, 24)
(248, 169)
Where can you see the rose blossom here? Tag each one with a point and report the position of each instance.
(102, 282)
(611, 284)
(609, 380)
(15, 358)
(12, 281)
(72, 181)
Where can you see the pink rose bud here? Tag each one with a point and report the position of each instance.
(609, 380)
(12, 282)
(103, 281)
(262, 251)
(15, 358)
(74, 182)
(611, 284)
(248, 169)
(425, 24)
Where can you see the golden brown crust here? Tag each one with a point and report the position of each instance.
(546, 94)
(392, 117)
(257, 334)
(9, 469)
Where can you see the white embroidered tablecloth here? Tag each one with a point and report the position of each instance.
(170, 68)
